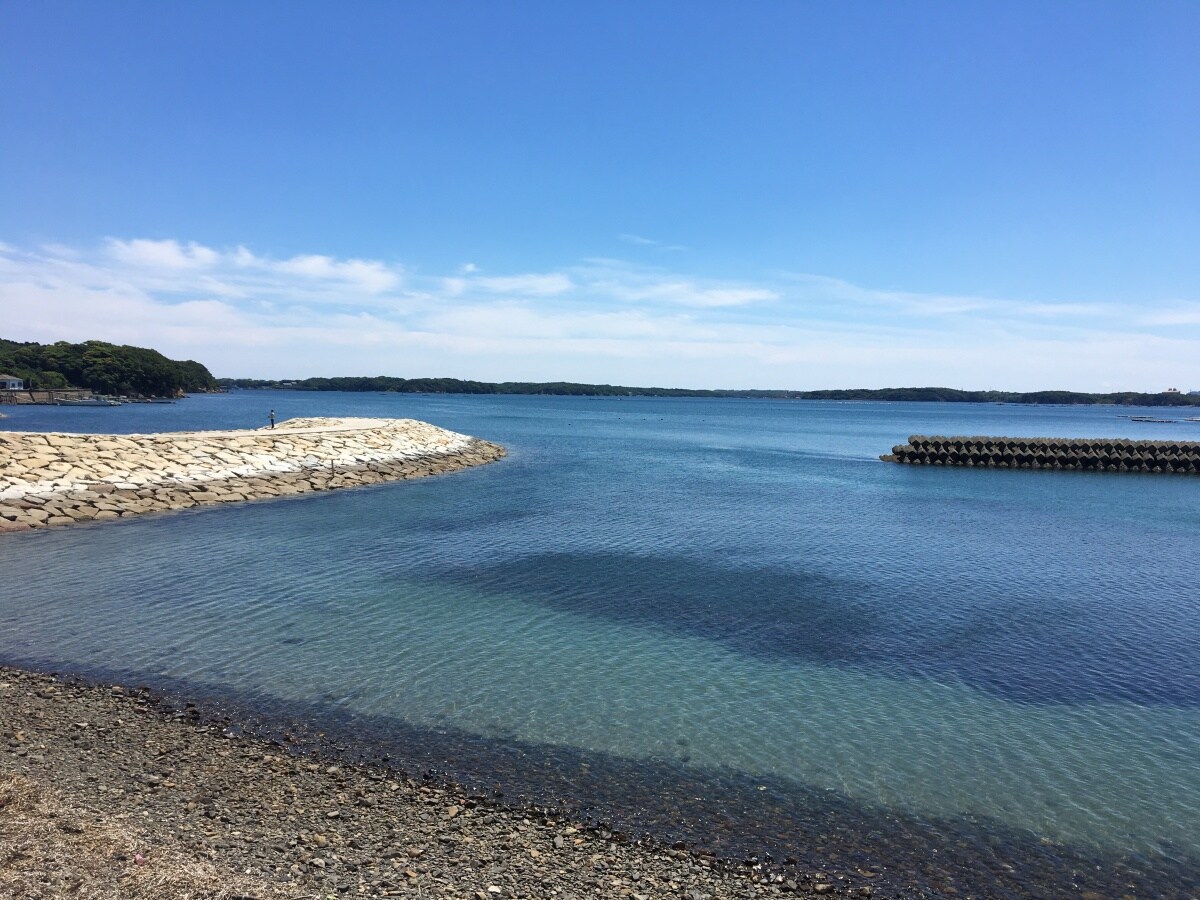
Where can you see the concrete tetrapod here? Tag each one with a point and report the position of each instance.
(1084, 454)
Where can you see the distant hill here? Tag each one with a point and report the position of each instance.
(103, 368)
(565, 388)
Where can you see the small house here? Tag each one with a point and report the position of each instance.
(11, 383)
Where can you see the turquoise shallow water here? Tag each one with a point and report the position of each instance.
(721, 619)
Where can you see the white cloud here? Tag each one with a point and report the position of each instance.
(60, 250)
(369, 276)
(600, 320)
(535, 285)
(168, 254)
(636, 284)
(637, 239)
(640, 241)
(1175, 314)
(823, 288)
(514, 320)
(686, 293)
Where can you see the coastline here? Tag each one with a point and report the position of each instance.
(636, 794)
(108, 791)
(52, 479)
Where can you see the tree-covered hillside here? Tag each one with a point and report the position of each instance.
(390, 384)
(922, 394)
(104, 368)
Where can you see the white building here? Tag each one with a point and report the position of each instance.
(11, 383)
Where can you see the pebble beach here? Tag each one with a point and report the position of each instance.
(107, 791)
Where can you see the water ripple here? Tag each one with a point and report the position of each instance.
(716, 588)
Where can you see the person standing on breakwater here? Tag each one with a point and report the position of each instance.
(271, 416)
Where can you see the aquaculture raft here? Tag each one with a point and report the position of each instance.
(1071, 454)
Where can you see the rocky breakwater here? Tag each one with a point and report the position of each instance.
(1072, 454)
(49, 479)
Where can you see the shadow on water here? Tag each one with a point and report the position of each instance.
(1018, 650)
(757, 611)
(794, 828)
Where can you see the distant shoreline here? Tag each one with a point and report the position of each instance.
(388, 384)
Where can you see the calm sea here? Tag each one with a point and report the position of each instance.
(718, 620)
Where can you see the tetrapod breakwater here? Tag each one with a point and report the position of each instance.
(1060, 454)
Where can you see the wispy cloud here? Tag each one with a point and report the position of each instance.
(614, 279)
(1184, 314)
(168, 254)
(825, 288)
(639, 241)
(247, 313)
(549, 285)
(687, 293)
(369, 276)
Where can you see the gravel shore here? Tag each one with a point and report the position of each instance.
(106, 793)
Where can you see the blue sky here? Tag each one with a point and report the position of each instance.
(791, 195)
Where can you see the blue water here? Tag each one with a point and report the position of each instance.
(718, 618)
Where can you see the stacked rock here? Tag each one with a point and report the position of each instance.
(60, 479)
(1072, 454)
